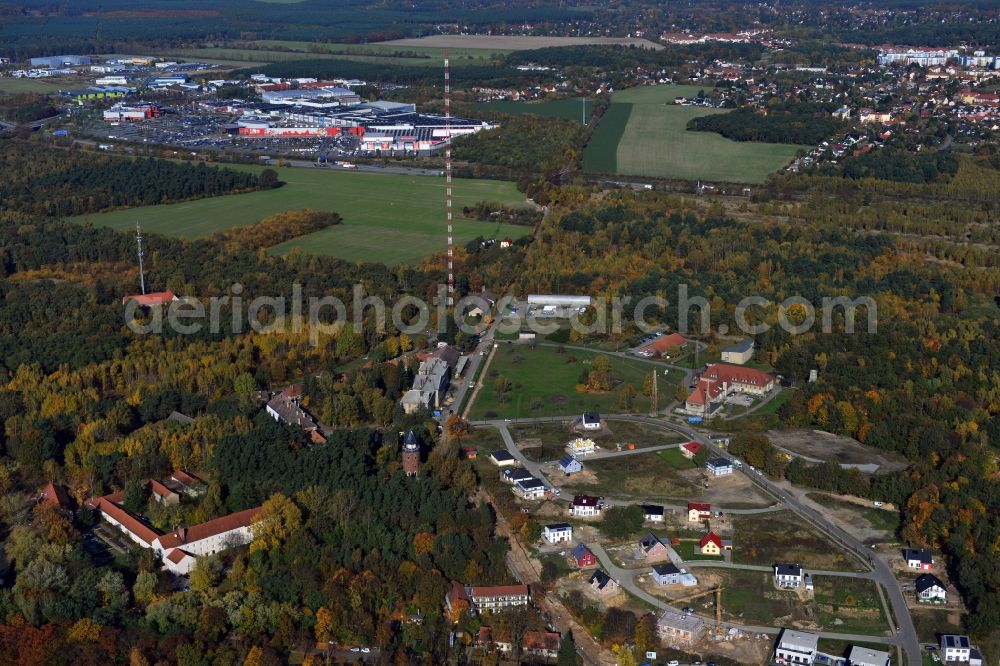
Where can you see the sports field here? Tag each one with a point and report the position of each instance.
(387, 217)
(644, 134)
(571, 109)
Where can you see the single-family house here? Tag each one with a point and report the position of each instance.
(581, 446)
(162, 493)
(738, 354)
(56, 495)
(582, 557)
(955, 648)
(666, 574)
(865, 656)
(602, 582)
(787, 575)
(569, 465)
(919, 558)
(557, 532)
(796, 647)
(530, 489)
(930, 588)
(516, 474)
(720, 467)
(502, 458)
(690, 449)
(652, 513)
(710, 544)
(699, 511)
(541, 644)
(287, 408)
(591, 421)
(653, 548)
(678, 628)
(584, 506)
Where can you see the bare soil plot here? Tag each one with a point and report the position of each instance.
(820, 445)
(781, 536)
(516, 42)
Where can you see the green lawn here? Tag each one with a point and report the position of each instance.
(647, 136)
(570, 109)
(387, 217)
(544, 383)
(676, 459)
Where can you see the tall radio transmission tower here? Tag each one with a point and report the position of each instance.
(447, 175)
(138, 242)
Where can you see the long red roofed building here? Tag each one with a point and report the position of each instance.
(720, 379)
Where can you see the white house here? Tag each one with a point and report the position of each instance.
(919, 558)
(720, 467)
(652, 513)
(955, 648)
(516, 474)
(569, 465)
(584, 506)
(666, 574)
(530, 489)
(796, 647)
(863, 656)
(787, 575)
(739, 353)
(557, 532)
(930, 588)
(591, 421)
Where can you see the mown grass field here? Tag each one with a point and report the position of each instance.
(544, 383)
(570, 109)
(217, 53)
(387, 217)
(10, 85)
(647, 136)
(455, 54)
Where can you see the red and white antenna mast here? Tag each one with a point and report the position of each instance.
(447, 175)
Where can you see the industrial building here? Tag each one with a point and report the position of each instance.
(56, 62)
(131, 112)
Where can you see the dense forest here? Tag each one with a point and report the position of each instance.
(54, 181)
(805, 123)
(27, 107)
(901, 166)
(525, 143)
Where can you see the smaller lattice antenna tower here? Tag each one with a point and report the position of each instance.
(447, 175)
(138, 243)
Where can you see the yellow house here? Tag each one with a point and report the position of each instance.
(711, 544)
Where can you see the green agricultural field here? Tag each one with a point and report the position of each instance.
(570, 109)
(647, 136)
(387, 217)
(253, 55)
(544, 383)
(10, 85)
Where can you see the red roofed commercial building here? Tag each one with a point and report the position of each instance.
(149, 300)
(719, 380)
(498, 597)
(661, 344)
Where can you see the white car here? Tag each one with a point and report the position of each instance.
(877, 503)
(365, 650)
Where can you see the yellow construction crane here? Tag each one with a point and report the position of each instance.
(717, 591)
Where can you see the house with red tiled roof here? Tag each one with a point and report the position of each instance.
(162, 493)
(710, 544)
(498, 597)
(699, 511)
(690, 450)
(56, 495)
(719, 380)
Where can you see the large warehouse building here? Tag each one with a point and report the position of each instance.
(55, 62)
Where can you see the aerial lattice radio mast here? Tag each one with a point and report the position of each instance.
(447, 175)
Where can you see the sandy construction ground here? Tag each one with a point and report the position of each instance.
(517, 42)
(818, 445)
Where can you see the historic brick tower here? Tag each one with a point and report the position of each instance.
(411, 454)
